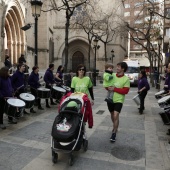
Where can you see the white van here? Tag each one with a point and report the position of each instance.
(133, 71)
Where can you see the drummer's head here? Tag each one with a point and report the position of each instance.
(21, 67)
(143, 73)
(35, 69)
(60, 68)
(81, 69)
(51, 66)
(4, 72)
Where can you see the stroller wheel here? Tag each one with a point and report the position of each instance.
(85, 145)
(71, 160)
(54, 157)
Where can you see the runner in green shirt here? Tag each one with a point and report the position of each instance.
(121, 87)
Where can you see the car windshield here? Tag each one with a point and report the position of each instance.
(132, 70)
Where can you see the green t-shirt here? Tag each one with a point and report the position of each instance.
(107, 82)
(81, 85)
(120, 82)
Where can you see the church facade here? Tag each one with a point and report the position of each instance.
(14, 41)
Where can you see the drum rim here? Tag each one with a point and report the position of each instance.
(12, 104)
(163, 99)
(160, 92)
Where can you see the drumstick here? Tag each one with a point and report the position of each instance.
(20, 87)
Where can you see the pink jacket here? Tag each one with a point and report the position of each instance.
(88, 115)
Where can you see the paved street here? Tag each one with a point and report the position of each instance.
(142, 143)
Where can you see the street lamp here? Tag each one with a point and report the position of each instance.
(112, 52)
(36, 11)
(95, 41)
(159, 45)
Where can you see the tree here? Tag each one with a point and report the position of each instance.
(145, 33)
(69, 7)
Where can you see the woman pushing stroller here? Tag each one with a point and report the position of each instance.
(68, 131)
(82, 83)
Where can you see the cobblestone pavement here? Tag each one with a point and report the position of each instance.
(142, 143)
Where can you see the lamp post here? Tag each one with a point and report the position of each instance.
(36, 11)
(112, 52)
(159, 48)
(95, 41)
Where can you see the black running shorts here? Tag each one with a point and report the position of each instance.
(114, 107)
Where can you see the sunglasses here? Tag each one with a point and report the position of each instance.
(81, 69)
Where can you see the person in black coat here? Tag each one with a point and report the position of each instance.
(7, 62)
(21, 60)
(34, 83)
(49, 81)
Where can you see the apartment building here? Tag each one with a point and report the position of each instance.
(138, 15)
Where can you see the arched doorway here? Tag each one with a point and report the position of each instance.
(77, 58)
(14, 40)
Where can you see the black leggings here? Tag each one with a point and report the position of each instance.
(38, 100)
(51, 99)
(142, 96)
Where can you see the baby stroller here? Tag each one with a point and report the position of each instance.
(68, 131)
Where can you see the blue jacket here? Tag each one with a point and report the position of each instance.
(17, 80)
(33, 80)
(49, 77)
(143, 82)
(5, 87)
(60, 76)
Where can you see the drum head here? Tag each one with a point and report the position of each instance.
(43, 89)
(16, 102)
(27, 96)
(59, 89)
(160, 92)
(164, 99)
(67, 88)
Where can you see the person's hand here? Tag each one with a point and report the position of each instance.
(139, 91)
(111, 88)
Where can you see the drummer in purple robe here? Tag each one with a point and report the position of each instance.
(18, 81)
(143, 87)
(6, 91)
(49, 80)
(34, 83)
(167, 80)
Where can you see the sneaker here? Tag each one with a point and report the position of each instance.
(140, 112)
(32, 111)
(53, 103)
(40, 108)
(47, 106)
(13, 121)
(2, 126)
(113, 137)
(26, 112)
